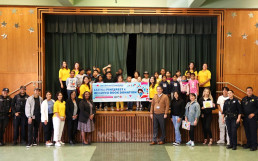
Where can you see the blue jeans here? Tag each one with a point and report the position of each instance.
(177, 126)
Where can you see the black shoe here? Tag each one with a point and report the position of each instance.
(14, 143)
(71, 142)
(246, 146)
(229, 146)
(234, 148)
(253, 148)
(34, 143)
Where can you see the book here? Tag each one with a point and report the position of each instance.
(186, 125)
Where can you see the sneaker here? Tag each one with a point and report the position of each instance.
(49, 144)
(176, 143)
(34, 143)
(220, 142)
(192, 143)
(189, 143)
(62, 143)
(58, 144)
(28, 145)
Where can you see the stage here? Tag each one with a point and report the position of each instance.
(129, 126)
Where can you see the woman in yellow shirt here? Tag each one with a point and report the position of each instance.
(85, 86)
(76, 68)
(64, 73)
(153, 88)
(204, 78)
(156, 75)
(58, 118)
(191, 69)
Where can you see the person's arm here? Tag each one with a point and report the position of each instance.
(60, 79)
(13, 105)
(167, 106)
(152, 107)
(27, 108)
(186, 112)
(187, 89)
(67, 82)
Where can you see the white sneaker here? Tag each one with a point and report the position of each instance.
(192, 143)
(58, 144)
(220, 142)
(176, 144)
(189, 143)
(28, 145)
(62, 143)
(49, 144)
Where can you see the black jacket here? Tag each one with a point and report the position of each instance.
(177, 108)
(19, 102)
(85, 111)
(69, 107)
(232, 108)
(165, 86)
(5, 105)
(250, 105)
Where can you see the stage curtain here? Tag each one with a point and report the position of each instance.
(173, 52)
(131, 24)
(88, 49)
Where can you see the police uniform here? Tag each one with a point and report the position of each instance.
(231, 110)
(250, 105)
(20, 121)
(5, 105)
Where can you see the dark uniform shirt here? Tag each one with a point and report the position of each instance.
(250, 105)
(5, 105)
(19, 102)
(232, 108)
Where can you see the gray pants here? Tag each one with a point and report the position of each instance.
(159, 121)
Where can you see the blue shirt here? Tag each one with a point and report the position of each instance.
(50, 106)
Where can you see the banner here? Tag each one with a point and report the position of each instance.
(120, 92)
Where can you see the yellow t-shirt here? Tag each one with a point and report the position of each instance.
(64, 74)
(59, 107)
(153, 90)
(203, 76)
(191, 71)
(158, 80)
(83, 88)
(76, 72)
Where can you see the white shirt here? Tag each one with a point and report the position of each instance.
(221, 101)
(134, 80)
(146, 80)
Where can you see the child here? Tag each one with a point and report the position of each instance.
(169, 79)
(146, 77)
(188, 75)
(99, 104)
(193, 84)
(174, 86)
(71, 83)
(129, 104)
(178, 74)
(120, 80)
(156, 75)
(109, 79)
(164, 84)
(136, 75)
(185, 89)
(162, 72)
(192, 114)
(138, 104)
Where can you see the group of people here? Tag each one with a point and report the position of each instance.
(184, 95)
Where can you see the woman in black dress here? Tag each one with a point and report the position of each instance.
(86, 118)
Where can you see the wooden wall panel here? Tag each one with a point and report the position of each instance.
(241, 55)
(19, 51)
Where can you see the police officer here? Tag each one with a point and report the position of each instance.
(5, 105)
(19, 120)
(250, 113)
(232, 111)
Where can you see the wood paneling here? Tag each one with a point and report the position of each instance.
(127, 127)
(19, 55)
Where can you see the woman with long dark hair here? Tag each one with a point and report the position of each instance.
(191, 69)
(64, 73)
(177, 113)
(46, 117)
(59, 118)
(86, 118)
(72, 112)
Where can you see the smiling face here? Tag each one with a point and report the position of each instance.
(249, 92)
(152, 80)
(192, 97)
(76, 66)
(204, 66)
(86, 80)
(230, 94)
(159, 90)
(64, 65)
(191, 66)
(48, 96)
(60, 97)
(73, 95)
(87, 95)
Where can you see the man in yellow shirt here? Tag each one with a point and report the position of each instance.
(204, 78)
